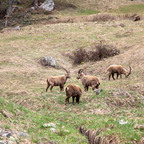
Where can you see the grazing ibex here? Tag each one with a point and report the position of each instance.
(87, 81)
(73, 91)
(119, 70)
(58, 80)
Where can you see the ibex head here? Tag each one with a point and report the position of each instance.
(67, 73)
(80, 74)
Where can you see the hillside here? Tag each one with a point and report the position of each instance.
(26, 107)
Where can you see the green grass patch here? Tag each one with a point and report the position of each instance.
(139, 8)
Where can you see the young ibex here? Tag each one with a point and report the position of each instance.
(119, 70)
(58, 80)
(73, 91)
(87, 81)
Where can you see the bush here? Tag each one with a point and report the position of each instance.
(80, 55)
(97, 52)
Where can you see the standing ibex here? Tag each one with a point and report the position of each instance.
(119, 70)
(87, 81)
(58, 80)
(73, 91)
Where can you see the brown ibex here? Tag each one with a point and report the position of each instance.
(58, 80)
(87, 81)
(73, 91)
(119, 70)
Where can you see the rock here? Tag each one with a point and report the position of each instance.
(49, 125)
(16, 28)
(48, 61)
(48, 5)
(66, 131)
(3, 142)
(6, 134)
(53, 130)
(23, 134)
(122, 122)
(32, 8)
(12, 139)
(97, 91)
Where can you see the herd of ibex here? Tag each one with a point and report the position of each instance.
(75, 91)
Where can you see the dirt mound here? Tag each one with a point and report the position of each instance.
(94, 137)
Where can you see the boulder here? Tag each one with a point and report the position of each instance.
(48, 61)
(48, 5)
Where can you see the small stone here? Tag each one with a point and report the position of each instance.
(23, 134)
(3, 142)
(16, 28)
(122, 122)
(32, 8)
(49, 125)
(53, 130)
(6, 134)
(97, 91)
(12, 138)
(63, 127)
(67, 131)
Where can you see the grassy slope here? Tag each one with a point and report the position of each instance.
(23, 80)
(131, 9)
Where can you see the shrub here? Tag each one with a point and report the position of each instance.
(80, 55)
(97, 52)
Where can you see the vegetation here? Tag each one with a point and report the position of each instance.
(131, 9)
(23, 79)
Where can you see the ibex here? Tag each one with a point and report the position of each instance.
(73, 91)
(119, 70)
(58, 81)
(87, 81)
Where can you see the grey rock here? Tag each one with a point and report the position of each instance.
(16, 28)
(48, 5)
(48, 61)
(23, 134)
(97, 91)
(3, 142)
(32, 8)
(6, 134)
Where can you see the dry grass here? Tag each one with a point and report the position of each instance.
(102, 5)
(23, 80)
(25, 47)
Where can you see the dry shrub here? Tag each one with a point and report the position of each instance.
(80, 55)
(102, 51)
(123, 99)
(96, 52)
(94, 137)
